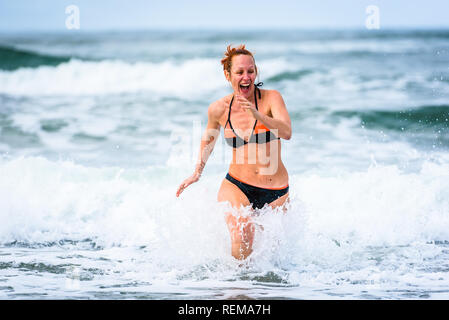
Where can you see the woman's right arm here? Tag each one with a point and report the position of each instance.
(208, 141)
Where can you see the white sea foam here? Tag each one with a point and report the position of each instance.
(83, 77)
(47, 201)
(195, 76)
(340, 229)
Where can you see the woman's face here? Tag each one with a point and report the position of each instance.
(242, 75)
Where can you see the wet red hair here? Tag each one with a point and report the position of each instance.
(231, 52)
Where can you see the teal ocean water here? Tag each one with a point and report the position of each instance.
(98, 129)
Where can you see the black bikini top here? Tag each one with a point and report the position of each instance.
(261, 137)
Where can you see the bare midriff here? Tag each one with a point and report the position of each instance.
(259, 165)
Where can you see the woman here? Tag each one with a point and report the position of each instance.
(254, 121)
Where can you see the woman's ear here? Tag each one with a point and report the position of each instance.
(227, 75)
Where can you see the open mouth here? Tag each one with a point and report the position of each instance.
(244, 88)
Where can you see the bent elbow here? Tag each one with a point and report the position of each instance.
(288, 135)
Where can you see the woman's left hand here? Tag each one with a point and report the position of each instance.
(247, 105)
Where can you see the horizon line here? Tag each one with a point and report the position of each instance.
(225, 29)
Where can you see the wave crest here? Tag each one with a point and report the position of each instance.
(13, 59)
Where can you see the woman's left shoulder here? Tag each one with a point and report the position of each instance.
(271, 93)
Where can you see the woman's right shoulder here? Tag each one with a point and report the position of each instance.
(218, 107)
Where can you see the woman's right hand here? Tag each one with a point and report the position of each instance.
(187, 182)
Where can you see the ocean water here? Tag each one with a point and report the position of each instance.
(98, 129)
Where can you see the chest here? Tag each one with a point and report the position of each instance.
(240, 118)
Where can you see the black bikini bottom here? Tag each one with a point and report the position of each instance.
(258, 197)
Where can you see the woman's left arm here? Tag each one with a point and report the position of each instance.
(280, 120)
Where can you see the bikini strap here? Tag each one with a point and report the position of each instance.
(257, 85)
(255, 98)
(229, 116)
(257, 108)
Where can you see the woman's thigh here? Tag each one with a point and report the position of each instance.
(231, 193)
(239, 225)
(280, 201)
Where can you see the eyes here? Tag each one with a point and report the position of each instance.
(240, 72)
